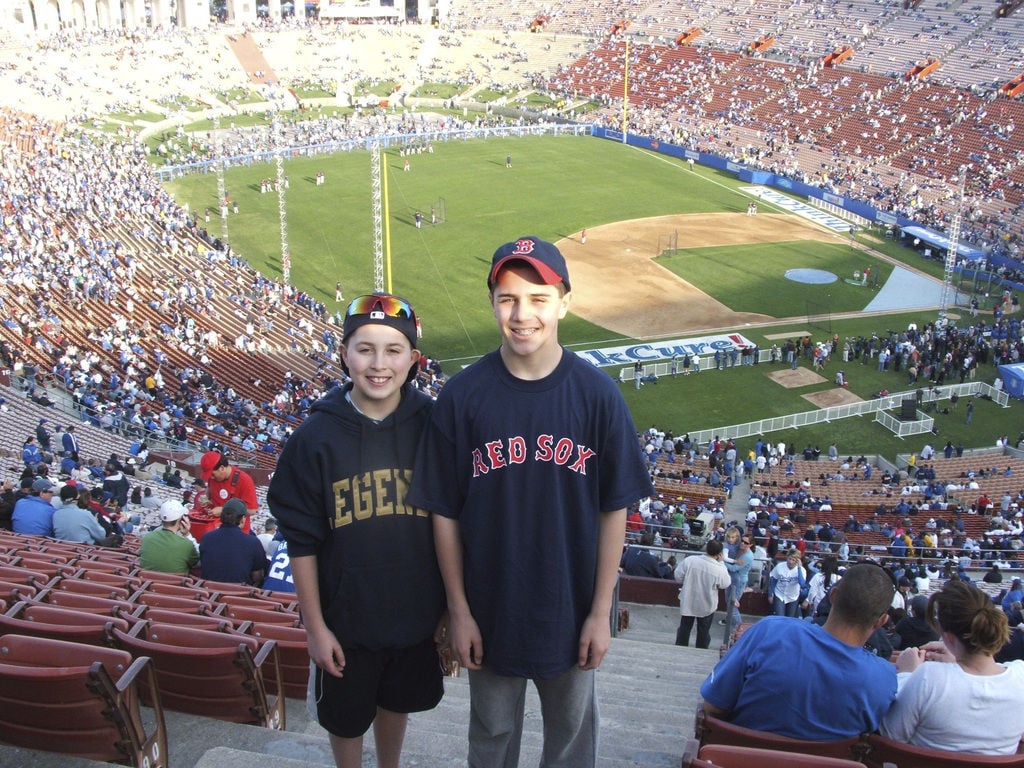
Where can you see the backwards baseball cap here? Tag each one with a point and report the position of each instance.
(209, 463)
(380, 309)
(543, 256)
(172, 510)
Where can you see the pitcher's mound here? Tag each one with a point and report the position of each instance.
(795, 377)
(831, 397)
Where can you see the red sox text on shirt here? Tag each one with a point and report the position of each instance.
(563, 451)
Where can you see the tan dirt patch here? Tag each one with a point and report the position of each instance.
(790, 335)
(791, 378)
(830, 397)
(617, 284)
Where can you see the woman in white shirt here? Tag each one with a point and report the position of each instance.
(953, 695)
(785, 583)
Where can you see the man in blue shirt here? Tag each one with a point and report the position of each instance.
(229, 554)
(804, 681)
(34, 514)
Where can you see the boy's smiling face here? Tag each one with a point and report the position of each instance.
(378, 358)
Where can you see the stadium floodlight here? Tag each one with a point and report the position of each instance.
(376, 172)
(625, 91)
(951, 254)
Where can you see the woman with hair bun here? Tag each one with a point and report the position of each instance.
(953, 695)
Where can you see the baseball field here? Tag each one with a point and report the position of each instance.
(670, 254)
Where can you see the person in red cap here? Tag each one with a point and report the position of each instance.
(225, 482)
(527, 466)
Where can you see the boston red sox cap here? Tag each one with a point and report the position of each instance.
(543, 256)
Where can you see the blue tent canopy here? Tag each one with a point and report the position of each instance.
(1013, 379)
(941, 241)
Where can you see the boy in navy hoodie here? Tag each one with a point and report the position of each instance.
(362, 559)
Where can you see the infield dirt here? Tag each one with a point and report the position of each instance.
(618, 285)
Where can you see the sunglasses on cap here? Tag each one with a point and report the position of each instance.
(379, 306)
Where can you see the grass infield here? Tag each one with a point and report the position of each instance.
(557, 186)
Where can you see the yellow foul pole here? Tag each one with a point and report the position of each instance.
(625, 90)
(387, 225)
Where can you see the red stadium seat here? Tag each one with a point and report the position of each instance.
(214, 674)
(883, 752)
(729, 756)
(259, 616)
(78, 700)
(94, 588)
(293, 648)
(172, 602)
(711, 730)
(42, 620)
(90, 603)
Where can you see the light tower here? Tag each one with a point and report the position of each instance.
(282, 210)
(954, 243)
(222, 202)
(376, 165)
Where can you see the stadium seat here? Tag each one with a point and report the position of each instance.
(22, 575)
(41, 620)
(130, 583)
(293, 649)
(214, 674)
(729, 756)
(227, 588)
(13, 591)
(211, 621)
(94, 588)
(166, 578)
(189, 591)
(260, 616)
(120, 567)
(287, 599)
(251, 602)
(89, 603)
(175, 603)
(711, 730)
(78, 700)
(887, 753)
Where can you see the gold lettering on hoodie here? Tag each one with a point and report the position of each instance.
(380, 493)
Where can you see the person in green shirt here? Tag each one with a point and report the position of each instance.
(170, 548)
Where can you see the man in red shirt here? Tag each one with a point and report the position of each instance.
(634, 525)
(225, 482)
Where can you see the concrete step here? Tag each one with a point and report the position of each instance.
(648, 691)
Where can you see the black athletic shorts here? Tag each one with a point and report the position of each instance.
(396, 679)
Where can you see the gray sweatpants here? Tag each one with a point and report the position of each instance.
(568, 707)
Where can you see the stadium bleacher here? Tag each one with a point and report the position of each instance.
(202, 313)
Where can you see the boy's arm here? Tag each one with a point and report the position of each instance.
(466, 642)
(596, 635)
(324, 648)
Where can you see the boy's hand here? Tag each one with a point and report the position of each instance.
(595, 639)
(326, 652)
(467, 644)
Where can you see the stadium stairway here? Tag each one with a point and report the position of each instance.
(648, 691)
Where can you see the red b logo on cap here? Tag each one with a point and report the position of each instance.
(523, 247)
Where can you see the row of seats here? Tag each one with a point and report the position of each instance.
(229, 651)
(710, 734)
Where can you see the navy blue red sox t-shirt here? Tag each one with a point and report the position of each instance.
(527, 468)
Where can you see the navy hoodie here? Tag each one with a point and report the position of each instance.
(339, 493)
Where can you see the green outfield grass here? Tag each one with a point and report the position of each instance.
(727, 273)
(557, 186)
